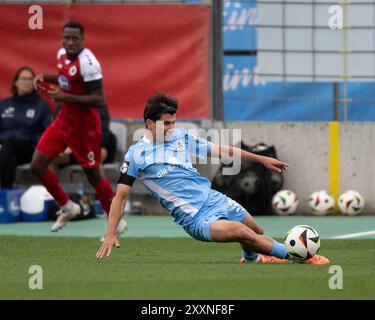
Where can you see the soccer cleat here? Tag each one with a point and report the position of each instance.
(121, 228)
(263, 259)
(64, 215)
(318, 260)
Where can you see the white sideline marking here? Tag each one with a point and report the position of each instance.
(354, 235)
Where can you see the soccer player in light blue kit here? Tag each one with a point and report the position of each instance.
(163, 163)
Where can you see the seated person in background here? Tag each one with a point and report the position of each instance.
(24, 117)
(109, 143)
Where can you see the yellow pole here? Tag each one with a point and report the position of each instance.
(334, 160)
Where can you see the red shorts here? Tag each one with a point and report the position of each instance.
(85, 146)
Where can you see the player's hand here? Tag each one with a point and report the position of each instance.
(105, 250)
(57, 94)
(38, 78)
(274, 164)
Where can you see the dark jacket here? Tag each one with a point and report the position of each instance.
(24, 117)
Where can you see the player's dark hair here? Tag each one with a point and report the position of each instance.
(13, 88)
(158, 105)
(74, 25)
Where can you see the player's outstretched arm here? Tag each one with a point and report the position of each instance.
(52, 78)
(115, 214)
(231, 153)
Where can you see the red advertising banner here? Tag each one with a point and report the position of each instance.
(141, 48)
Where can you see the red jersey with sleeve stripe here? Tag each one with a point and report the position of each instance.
(76, 127)
(74, 119)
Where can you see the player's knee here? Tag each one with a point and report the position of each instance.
(94, 176)
(94, 179)
(36, 168)
(246, 235)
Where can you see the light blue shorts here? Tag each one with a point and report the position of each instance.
(218, 206)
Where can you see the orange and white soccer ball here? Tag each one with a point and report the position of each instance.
(321, 202)
(285, 202)
(351, 203)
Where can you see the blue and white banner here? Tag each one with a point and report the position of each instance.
(240, 19)
(249, 96)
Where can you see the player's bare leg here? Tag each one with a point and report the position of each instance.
(40, 162)
(251, 256)
(105, 193)
(231, 231)
(250, 222)
(40, 167)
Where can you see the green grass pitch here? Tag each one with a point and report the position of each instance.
(175, 268)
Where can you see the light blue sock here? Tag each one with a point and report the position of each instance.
(250, 255)
(279, 250)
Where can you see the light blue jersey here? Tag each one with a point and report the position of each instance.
(166, 170)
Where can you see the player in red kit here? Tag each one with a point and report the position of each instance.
(77, 126)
